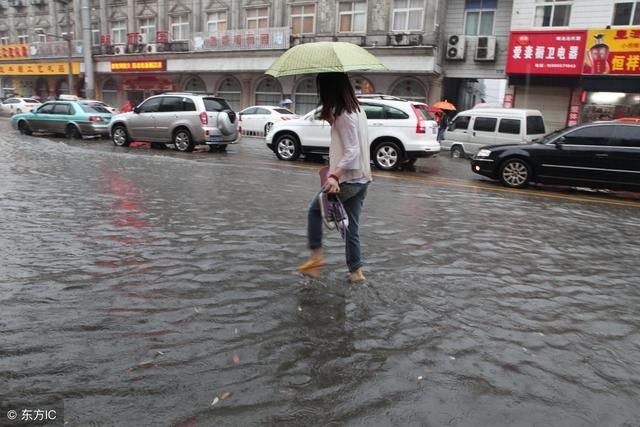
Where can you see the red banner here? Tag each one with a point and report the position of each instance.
(546, 52)
(613, 51)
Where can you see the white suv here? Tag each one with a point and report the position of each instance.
(400, 132)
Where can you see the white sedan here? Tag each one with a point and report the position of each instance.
(13, 106)
(258, 120)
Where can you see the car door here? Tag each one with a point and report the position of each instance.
(260, 119)
(316, 133)
(62, 114)
(580, 157)
(623, 162)
(141, 124)
(170, 112)
(457, 132)
(483, 132)
(246, 118)
(376, 120)
(10, 106)
(509, 130)
(43, 114)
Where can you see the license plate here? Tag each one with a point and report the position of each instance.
(215, 138)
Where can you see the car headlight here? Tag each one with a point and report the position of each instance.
(484, 153)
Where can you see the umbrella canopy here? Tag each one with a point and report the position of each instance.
(434, 110)
(444, 105)
(324, 57)
(286, 101)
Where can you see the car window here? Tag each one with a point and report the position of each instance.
(511, 126)
(282, 111)
(626, 136)
(485, 124)
(422, 110)
(170, 104)
(151, 105)
(263, 111)
(249, 111)
(188, 105)
(535, 125)
(374, 112)
(31, 101)
(590, 135)
(395, 114)
(62, 109)
(215, 104)
(94, 108)
(46, 109)
(11, 101)
(460, 122)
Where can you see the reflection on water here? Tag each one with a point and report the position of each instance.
(167, 282)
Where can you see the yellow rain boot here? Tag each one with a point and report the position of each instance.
(313, 267)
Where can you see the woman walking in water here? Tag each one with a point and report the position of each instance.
(349, 170)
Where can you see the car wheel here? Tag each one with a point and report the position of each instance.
(24, 129)
(387, 156)
(72, 132)
(515, 173)
(183, 141)
(457, 152)
(287, 147)
(267, 128)
(120, 137)
(218, 148)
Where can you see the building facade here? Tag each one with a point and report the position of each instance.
(221, 46)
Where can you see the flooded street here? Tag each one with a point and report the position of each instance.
(140, 285)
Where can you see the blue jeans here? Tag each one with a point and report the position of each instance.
(352, 196)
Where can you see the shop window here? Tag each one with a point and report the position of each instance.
(407, 15)
(217, 22)
(306, 97)
(303, 18)
(147, 28)
(268, 92)
(42, 89)
(231, 91)
(195, 85)
(626, 13)
(180, 27)
(511, 126)
(62, 88)
(257, 18)
(479, 17)
(410, 89)
(553, 13)
(352, 16)
(119, 31)
(110, 93)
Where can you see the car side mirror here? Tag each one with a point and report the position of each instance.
(136, 110)
(558, 142)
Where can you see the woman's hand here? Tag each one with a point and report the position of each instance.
(332, 185)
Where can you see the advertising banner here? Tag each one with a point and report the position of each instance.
(613, 51)
(139, 66)
(546, 52)
(41, 68)
(11, 52)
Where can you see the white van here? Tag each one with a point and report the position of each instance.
(472, 129)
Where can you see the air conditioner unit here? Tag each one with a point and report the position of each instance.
(119, 49)
(486, 49)
(405, 39)
(151, 48)
(455, 47)
(142, 38)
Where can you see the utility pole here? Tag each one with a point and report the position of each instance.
(89, 82)
(69, 45)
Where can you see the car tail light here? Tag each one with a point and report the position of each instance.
(204, 119)
(285, 118)
(420, 126)
(96, 119)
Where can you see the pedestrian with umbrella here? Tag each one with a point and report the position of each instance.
(349, 158)
(443, 122)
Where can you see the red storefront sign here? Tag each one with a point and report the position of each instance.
(575, 106)
(139, 66)
(546, 52)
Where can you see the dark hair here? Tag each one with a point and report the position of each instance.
(336, 95)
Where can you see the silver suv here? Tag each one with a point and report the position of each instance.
(182, 119)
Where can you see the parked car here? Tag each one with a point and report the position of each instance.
(472, 129)
(400, 132)
(258, 120)
(182, 119)
(598, 155)
(13, 106)
(74, 119)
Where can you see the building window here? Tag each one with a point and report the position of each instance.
(195, 85)
(4, 38)
(407, 15)
(95, 36)
(410, 89)
(147, 28)
(479, 17)
(258, 18)
(119, 32)
(268, 92)
(626, 13)
(303, 19)
(231, 90)
(306, 98)
(553, 13)
(217, 22)
(180, 27)
(42, 38)
(352, 17)
(23, 36)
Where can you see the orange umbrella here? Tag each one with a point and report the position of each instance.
(444, 105)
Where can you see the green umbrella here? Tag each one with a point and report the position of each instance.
(324, 57)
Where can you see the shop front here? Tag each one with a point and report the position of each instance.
(575, 76)
(43, 79)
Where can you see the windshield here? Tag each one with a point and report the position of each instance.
(422, 109)
(215, 104)
(550, 136)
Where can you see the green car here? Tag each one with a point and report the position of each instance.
(74, 119)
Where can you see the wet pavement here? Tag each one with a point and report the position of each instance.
(153, 288)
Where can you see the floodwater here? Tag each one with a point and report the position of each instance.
(152, 288)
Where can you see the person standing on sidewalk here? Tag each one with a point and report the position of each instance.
(349, 170)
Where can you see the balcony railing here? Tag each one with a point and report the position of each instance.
(57, 49)
(266, 38)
